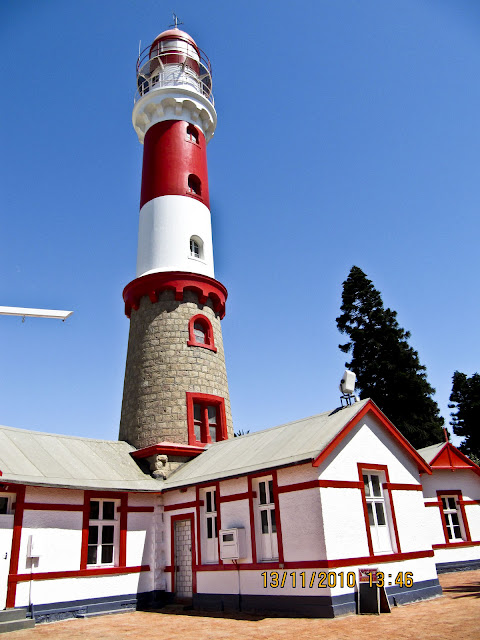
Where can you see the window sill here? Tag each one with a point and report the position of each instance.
(201, 260)
(460, 543)
(194, 195)
(190, 343)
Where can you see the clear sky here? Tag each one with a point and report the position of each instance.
(347, 134)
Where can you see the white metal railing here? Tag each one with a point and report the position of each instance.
(173, 75)
(173, 68)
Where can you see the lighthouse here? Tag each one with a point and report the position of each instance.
(175, 398)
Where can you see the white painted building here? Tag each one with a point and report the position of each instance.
(452, 495)
(86, 529)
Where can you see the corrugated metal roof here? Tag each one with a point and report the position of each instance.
(429, 453)
(286, 444)
(47, 459)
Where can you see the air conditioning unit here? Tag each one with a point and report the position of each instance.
(233, 544)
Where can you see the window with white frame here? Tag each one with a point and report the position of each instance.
(266, 520)
(210, 526)
(196, 248)
(103, 532)
(377, 512)
(452, 518)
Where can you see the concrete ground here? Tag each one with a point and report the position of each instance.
(454, 616)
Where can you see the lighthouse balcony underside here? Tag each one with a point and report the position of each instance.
(158, 73)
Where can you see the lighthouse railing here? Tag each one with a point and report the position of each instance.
(172, 70)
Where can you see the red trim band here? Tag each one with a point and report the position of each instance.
(463, 543)
(82, 573)
(233, 497)
(396, 486)
(181, 505)
(311, 564)
(153, 284)
(15, 551)
(47, 506)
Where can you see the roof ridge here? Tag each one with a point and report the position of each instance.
(287, 424)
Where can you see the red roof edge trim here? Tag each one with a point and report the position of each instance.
(168, 448)
(371, 407)
(456, 459)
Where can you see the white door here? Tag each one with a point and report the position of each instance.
(6, 532)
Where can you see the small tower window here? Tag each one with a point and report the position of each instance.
(196, 248)
(194, 185)
(192, 134)
(200, 333)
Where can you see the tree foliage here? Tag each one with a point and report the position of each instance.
(388, 369)
(465, 399)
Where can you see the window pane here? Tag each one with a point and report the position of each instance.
(264, 516)
(197, 412)
(454, 517)
(274, 521)
(263, 496)
(456, 532)
(212, 415)
(380, 513)
(451, 503)
(370, 514)
(367, 486)
(270, 490)
(109, 511)
(209, 528)
(107, 534)
(216, 528)
(197, 431)
(377, 492)
(3, 505)
(215, 501)
(199, 333)
(92, 535)
(94, 509)
(92, 555)
(213, 433)
(107, 554)
(209, 502)
(444, 502)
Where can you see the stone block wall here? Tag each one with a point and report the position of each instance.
(161, 368)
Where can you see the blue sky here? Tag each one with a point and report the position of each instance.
(347, 134)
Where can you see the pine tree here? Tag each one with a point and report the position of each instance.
(388, 369)
(465, 420)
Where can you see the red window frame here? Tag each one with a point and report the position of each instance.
(207, 325)
(459, 502)
(206, 400)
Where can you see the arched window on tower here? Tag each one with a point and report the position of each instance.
(192, 134)
(196, 247)
(194, 185)
(200, 333)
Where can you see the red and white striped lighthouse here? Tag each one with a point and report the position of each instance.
(175, 381)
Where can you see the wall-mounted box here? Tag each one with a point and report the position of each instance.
(233, 544)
